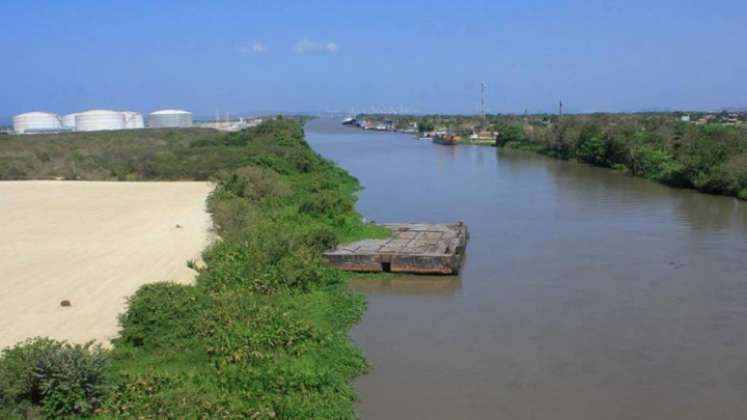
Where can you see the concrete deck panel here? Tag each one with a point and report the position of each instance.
(413, 248)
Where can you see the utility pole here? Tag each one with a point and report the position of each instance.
(482, 100)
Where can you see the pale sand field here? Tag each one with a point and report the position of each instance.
(93, 243)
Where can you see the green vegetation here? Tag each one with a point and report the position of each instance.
(262, 334)
(46, 378)
(710, 156)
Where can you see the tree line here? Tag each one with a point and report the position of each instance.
(711, 158)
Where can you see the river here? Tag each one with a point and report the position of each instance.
(585, 294)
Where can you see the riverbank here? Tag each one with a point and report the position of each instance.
(707, 158)
(262, 332)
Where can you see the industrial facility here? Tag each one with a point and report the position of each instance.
(68, 121)
(98, 120)
(170, 118)
(133, 120)
(31, 122)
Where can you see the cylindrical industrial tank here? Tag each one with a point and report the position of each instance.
(68, 121)
(133, 120)
(170, 118)
(36, 121)
(99, 120)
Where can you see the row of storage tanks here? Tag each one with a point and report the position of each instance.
(97, 119)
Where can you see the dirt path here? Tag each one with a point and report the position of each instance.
(94, 244)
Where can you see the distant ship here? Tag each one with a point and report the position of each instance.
(447, 140)
(349, 121)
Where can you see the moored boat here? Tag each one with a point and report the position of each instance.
(447, 140)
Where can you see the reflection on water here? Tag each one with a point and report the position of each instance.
(407, 285)
(588, 294)
(730, 214)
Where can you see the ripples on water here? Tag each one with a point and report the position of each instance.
(586, 293)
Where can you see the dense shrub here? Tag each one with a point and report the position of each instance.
(319, 238)
(231, 215)
(590, 146)
(255, 184)
(156, 394)
(302, 270)
(259, 333)
(161, 314)
(327, 204)
(509, 133)
(51, 378)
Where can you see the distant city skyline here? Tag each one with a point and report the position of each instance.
(418, 57)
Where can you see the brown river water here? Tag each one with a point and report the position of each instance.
(585, 294)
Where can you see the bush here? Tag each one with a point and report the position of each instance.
(160, 395)
(303, 270)
(327, 204)
(591, 147)
(320, 238)
(509, 134)
(255, 184)
(261, 330)
(734, 174)
(61, 379)
(232, 215)
(162, 314)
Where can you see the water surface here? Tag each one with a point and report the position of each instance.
(586, 294)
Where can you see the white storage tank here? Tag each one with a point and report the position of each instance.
(99, 119)
(36, 121)
(68, 121)
(133, 120)
(170, 118)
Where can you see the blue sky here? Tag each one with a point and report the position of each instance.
(417, 56)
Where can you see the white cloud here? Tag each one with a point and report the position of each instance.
(307, 46)
(256, 48)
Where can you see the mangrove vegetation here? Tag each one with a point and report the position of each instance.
(710, 158)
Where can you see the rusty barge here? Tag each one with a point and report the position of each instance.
(413, 248)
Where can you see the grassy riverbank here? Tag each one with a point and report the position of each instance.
(708, 158)
(263, 332)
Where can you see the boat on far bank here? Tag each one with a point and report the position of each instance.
(447, 140)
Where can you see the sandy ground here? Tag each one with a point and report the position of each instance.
(94, 244)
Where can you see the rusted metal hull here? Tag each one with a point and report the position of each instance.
(413, 248)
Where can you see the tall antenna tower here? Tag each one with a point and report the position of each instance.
(561, 108)
(482, 100)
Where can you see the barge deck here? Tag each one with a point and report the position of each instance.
(413, 248)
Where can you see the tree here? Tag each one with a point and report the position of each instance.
(509, 133)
